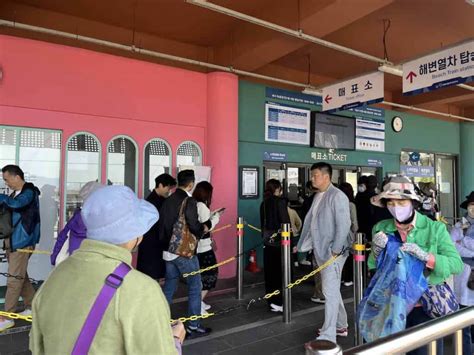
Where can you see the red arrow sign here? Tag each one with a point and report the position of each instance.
(410, 76)
(327, 98)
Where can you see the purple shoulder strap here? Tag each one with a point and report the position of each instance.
(112, 283)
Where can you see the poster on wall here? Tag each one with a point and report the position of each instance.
(417, 164)
(370, 134)
(286, 124)
(249, 182)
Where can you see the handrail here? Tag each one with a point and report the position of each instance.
(417, 336)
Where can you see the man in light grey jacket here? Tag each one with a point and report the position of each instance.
(326, 231)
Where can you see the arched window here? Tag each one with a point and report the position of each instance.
(157, 160)
(189, 153)
(122, 162)
(83, 155)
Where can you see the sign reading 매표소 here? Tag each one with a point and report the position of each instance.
(447, 67)
(366, 89)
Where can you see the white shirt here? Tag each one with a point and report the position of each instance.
(204, 214)
(167, 256)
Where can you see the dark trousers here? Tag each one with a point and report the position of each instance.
(272, 272)
(415, 317)
(467, 339)
(348, 270)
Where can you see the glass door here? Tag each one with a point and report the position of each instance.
(446, 186)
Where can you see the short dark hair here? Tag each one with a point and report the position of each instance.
(323, 167)
(363, 180)
(13, 170)
(348, 190)
(186, 177)
(271, 186)
(203, 193)
(165, 180)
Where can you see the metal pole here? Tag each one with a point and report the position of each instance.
(240, 259)
(431, 347)
(359, 260)
(286, 271)
(458, 342)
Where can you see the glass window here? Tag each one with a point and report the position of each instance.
(39, 156)
(157, 161)
(83, 165)
(122, 163)
(189, 154)
(7, 152)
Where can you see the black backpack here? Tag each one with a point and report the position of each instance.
(6, 226)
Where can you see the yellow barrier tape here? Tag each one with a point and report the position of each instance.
(358, 247)
(16, 316)
(240, 226)
(221, 228)
(285, 234)
(29, 251)
(254, 228)
(200, 271)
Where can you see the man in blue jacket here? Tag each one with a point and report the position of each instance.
(24, 206)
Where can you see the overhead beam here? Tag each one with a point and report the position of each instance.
(254, 46)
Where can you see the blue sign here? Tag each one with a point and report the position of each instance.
(274, 156)
(415, 157)
(293, 96)
(374, 162)
(369, 111)
(417, 171)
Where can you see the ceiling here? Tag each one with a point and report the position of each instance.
(179, 28)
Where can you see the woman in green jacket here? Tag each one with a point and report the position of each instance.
(423, 238)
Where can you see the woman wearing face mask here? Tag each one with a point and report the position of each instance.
(422, 238)
(463, 238)
(273, 212)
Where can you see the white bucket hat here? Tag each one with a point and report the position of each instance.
(115, 215)
(399, 187)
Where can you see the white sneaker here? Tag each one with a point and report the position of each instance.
(349, 283)
(205, 306)
(275, 308)
(203, 311)
(26, 312)
(305, 262)
(318, 300)
(6, 324)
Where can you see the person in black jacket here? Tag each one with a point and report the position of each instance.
(365, 209)
(150, 253)
(177, 265)
(273, 212)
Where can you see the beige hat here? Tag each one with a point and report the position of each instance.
(399, 187)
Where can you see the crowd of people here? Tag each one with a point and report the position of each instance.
(92, 260)
(171, 233)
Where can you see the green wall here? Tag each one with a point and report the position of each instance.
(419, 133)
(466, 159)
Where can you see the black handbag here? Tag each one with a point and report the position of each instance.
(6, 225)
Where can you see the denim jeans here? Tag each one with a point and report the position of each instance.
(174, 269)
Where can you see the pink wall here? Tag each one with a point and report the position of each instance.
(222, 155)
(70, 89)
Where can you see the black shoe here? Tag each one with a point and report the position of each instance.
(197, 332)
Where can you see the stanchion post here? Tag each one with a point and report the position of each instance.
(359, 260)
(240, 259)
(286, 270)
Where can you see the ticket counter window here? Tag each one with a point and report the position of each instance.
(122, 162)
(189, 154)
(157, 161)
(82, 165)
